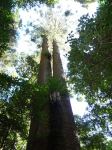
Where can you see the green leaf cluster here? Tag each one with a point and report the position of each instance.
(30, 3)
(6, 24)
(90, 72)
(90, 135)
(90, 56)
(16, 95)
(56, 85)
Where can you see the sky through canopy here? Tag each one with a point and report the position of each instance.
(37, 16)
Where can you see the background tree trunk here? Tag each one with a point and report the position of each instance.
(39, 128)
(63, 133)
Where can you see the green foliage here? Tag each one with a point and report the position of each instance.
(90, 57)
(56, 85)
(14, 113)
(27, 68)
(90, 134)
(24, 3)
(15, 105)
(6, 24)
(90, 71)
(6, 81)
(7, 29)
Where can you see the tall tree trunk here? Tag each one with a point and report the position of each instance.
(63, 133)
(39, 128)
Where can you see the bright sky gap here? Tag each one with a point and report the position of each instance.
(25, 45)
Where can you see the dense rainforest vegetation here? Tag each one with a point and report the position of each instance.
(89, 72)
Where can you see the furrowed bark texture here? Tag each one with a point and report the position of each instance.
(63, 132)
(39, 128)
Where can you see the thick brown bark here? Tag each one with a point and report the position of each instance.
(63, 133)
(57, 63)
(56, 131)
(39, 128)
(45, 63)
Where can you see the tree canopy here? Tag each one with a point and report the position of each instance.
(89, 71)
(90, 65)
(90, 55)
